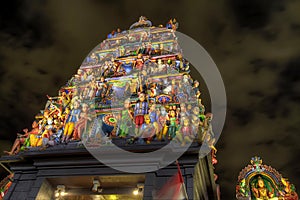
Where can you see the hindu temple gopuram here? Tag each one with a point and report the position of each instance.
(133, 93)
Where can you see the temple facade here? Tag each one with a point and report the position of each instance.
(37, 175)
(132, 95)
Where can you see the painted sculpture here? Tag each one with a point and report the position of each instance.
(262, 182)
(135, 86)
(5, 185)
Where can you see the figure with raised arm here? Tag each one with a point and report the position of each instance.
(21, 139)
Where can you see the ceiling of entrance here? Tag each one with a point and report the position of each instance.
(115, 187)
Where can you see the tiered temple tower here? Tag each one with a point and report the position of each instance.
(133, 93)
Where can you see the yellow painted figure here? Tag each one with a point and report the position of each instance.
(46, 133)
(72, 118)
(261, 192)
(34, 137)
(149, 129)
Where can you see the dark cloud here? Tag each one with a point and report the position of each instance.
(11, 13)
(295, 27)
(242, 115)
(256, 13)
(24, 25)
(256, 93)
(2, 71)
(269, 106)
(252, 14)
(42, 71)
(268, 142)
(270, 35)
(289, 80)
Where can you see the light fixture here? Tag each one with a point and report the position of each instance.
(96, 186)
(135, 192)
(139, 189)
(60, 191)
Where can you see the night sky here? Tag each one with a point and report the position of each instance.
(255, 44)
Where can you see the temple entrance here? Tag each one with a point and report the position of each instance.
(108, 187)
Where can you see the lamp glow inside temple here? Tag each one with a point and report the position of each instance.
(134, 91)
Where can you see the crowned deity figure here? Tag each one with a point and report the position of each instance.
(263, 190)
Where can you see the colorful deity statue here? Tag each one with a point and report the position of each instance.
(82, 122)
(196, 90)
(46, 133)
(134, 86)
(161, 66)
(153, 91)
(185, 133)
(57, 132)
(174, 88)
(139, 62)
(126, 121)
(172, 124)
(241, 187)
(143, 84)
(208, 136)
(93, 87)
(64, 99)
(148, 129)
(5, 185)
(197, 128)
(162, 119)
(71, 120)
(153, 114)
(183, 111)
(140, 109)
(289, 189)
(34, 134)
(172, 24)
(25, 140)
(262, 190)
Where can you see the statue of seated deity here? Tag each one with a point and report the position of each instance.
(262, 190)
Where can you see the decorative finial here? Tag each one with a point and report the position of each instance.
(256, 160)
(143, 22)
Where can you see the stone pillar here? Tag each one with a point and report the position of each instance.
(204, 184)
(149, 185)
(24, 186)
(189, 181)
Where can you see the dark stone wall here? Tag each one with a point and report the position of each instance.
(25, 185)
